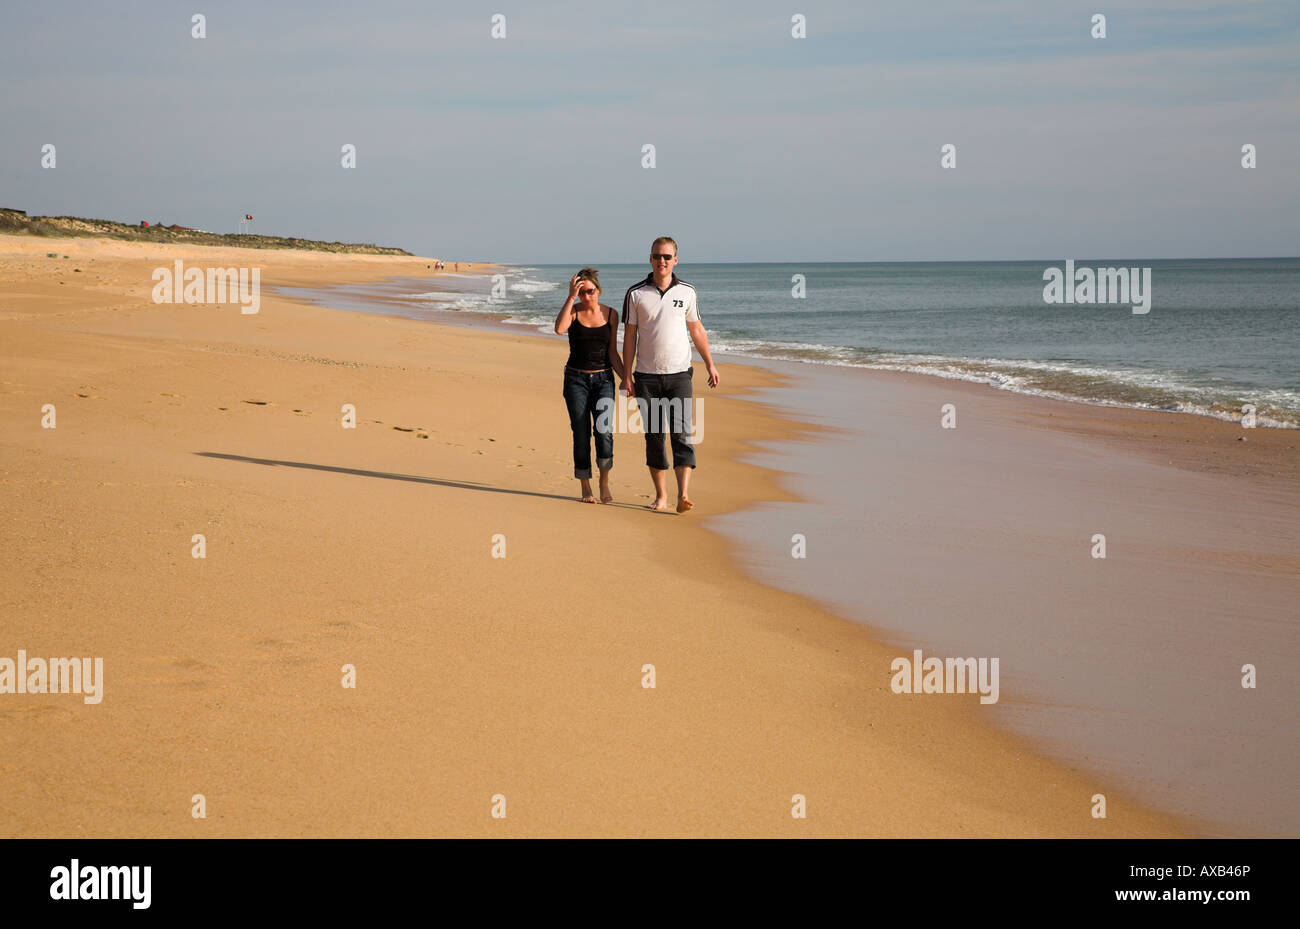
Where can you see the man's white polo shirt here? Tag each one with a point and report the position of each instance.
(663, 344)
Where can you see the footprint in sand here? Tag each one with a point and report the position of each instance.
(43, 711)
(188, 664)
(191, 666)
(334, 630)
(420, 431)
(257, 402)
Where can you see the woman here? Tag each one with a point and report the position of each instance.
(588, 378)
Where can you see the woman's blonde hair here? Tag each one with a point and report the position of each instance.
(590, 274)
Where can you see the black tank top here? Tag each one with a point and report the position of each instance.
(588, 346)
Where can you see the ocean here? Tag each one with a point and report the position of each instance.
(1220, 334)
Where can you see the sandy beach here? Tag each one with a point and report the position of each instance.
(475, 675)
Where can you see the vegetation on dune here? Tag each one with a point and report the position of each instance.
(18, 222)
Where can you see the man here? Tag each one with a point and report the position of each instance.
(661, 321)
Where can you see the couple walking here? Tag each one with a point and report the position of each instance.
(660, 323)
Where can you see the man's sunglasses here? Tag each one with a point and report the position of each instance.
(663, 257)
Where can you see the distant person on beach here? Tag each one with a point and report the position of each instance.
(589, 378)
(660, 322)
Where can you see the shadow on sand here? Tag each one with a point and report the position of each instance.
(415, 478)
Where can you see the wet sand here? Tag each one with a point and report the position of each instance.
(978, 541)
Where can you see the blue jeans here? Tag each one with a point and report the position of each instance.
(664, 401)
(583, 394)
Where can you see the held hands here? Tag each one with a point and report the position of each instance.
(714, 380)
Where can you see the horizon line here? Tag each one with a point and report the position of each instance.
(1128, 261)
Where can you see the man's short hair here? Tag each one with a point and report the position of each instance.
(663, 240)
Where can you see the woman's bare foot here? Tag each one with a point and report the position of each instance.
(660, 505)
(683, 505)
(605, 495)
(587, 495)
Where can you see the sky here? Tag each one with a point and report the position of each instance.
(529, 148)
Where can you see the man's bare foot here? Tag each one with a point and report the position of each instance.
(683, 505)
(588, 498)
(660, 505)
(605, 495)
